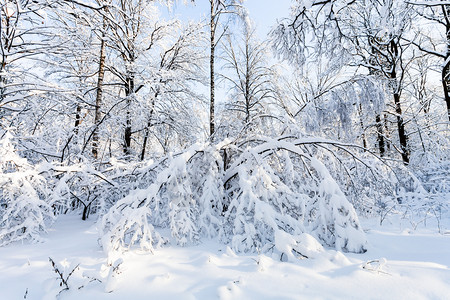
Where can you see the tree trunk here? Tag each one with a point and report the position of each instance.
(211, 67)
(446, 85)
(398, 109)
(77, 119)
(247, 82)
(379, 124)
(147, 133)
(98, 97)
(129, 92)
(380, 136)
(401, 129)
(387, 134)
(147, 130)
(361, 122)
(446, 69)
(446, 81)
(6, 47)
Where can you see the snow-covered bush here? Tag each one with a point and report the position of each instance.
(270, 196)
(276, 186)
(185, 197)
(79, 187)
(91, 189)
(24, 209)
(336, 222)
(368, 182)
(424, 197)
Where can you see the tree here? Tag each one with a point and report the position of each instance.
(84, 15)
(21, 22)
(100, 79)
(152, 71)
(249, 76)
(71, 67)
(217, 9)
(321, 19)
(127, 20)
(364, 33)
(179, 65)
(378, 41)
(439, 13)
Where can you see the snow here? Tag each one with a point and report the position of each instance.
(400, 264)
(271, 212)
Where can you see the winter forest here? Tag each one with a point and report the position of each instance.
(132, 137)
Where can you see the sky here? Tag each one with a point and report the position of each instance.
(264, 13)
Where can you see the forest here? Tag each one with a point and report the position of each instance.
(165, 132)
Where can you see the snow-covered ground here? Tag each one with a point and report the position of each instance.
(400, 264)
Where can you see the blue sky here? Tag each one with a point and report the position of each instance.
(264, 13)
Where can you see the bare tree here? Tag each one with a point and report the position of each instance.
(128, 23)
(81, 60)
(100, 78)
(179, 65)
(439, 13)
(218, 8)
(20, 23)
(249, 75)
(369, 33)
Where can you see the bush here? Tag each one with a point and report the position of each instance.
(272, 189)
(24, 210)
